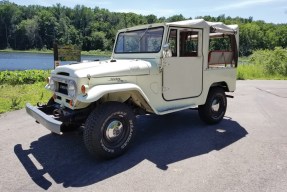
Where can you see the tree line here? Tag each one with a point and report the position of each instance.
(38, 27)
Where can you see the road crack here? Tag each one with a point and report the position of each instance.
(267, 91)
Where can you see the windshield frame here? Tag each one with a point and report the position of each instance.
(121, 36)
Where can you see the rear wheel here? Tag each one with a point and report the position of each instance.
(213, 110)
(109, 130)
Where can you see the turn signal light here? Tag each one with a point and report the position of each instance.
(84, 89)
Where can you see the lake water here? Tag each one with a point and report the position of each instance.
(26, 61)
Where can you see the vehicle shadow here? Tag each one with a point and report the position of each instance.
(160, 139)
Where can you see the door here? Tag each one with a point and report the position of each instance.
(182, 72)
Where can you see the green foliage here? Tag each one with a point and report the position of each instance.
(23, 77)
(15, 103)
(27, 93)
(264, 64)
(274, 62)
(250, 71)
(37, 27)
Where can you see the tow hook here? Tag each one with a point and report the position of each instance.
(58, 113)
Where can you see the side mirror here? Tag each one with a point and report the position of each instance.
(165, 47)
(166, 50)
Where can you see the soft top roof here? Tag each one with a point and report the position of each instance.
(216, 27)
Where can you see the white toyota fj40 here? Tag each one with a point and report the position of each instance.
(154, 69)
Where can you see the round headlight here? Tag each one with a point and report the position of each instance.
(72, 89)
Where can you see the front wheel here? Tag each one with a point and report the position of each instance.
(213, 110)
(109, 130)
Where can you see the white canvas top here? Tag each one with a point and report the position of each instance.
(201, 23)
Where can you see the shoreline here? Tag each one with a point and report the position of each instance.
(87, 53)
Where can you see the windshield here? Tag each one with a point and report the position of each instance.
(140, 41)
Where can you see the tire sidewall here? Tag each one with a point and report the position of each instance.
(95, 138)
(128, 128)
(219, 95)
(206, 112)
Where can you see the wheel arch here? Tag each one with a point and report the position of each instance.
(118, 92)
(221, 84)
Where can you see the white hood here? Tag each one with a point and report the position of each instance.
(106, 68)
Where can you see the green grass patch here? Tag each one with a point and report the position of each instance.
(253, 71)
(14, 97)
(27, 51)
(23, 77)
(264, 64)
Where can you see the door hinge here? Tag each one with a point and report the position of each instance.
(163, 64)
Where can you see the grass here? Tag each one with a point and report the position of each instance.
(248, 71)
(27, 51)
(15, 97)
(253, 71)
(23, 77)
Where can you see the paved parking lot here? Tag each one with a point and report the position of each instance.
(247, 151)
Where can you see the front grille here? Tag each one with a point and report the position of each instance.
(63, 73)
(63, 88)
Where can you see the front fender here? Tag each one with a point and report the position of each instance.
(96, 92)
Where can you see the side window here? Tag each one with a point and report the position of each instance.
(222, 51)
(188, 43)
(172, 40)
(220, 43)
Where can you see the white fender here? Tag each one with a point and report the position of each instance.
(96, 92)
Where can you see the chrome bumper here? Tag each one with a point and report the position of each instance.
(46, 120)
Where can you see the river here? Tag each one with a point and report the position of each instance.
(26, 61)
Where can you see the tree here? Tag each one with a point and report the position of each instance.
(176, 18)
(48, 28)
(151, 19)
(29, 27)
(9, 15)
(28, 34)
(98, 41)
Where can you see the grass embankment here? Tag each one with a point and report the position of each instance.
(264, 64)
(20, 87)
(252, 72)
(15, 97)
(92, 52)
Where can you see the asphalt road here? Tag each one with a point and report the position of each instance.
(247, 151)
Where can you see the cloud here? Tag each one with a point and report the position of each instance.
(243, 4)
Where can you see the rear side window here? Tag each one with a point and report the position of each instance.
(222, 51)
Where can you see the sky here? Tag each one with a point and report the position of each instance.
(274, 11)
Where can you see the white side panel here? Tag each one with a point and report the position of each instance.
(182, 77)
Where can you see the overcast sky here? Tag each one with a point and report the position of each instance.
(268, 10)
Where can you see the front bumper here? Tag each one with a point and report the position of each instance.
(46, 120)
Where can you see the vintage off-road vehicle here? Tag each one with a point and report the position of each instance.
(154, 69)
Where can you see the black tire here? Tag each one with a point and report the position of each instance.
(51, 101)
(214, 109)
(109, 130)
